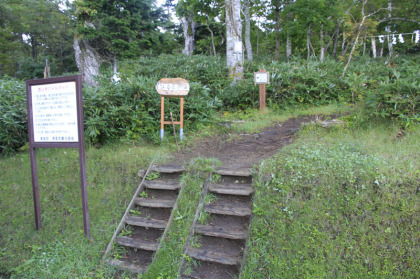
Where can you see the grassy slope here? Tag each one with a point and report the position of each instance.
(60, 250)
(342, 202)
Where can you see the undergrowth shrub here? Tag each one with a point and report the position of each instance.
(130, 110)
(13, 115)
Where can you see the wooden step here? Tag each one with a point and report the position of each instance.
(137, 243)
(212, 256)
(234, 172)
(221, 232)
(228, 209)
(145, 222)
(232, 189)
(155, 203)
(162, 185)
(168, 168)
(133, 268)
(183, 276)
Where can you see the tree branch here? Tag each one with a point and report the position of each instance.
(398, 19)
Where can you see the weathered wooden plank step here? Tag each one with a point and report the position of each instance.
(162, 185)
(137, 243)
(168, 168)
(183, 276)
(133, 268)
(213, 256)
(234, 172)
(221, 232)
(232, 189)
(145, 222)
(228, 209)
(155, 203)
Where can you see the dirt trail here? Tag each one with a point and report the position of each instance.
(244, 150)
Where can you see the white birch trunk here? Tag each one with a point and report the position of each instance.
(322, 54)
(288, 46)
(188, 25)
(87, 60)
(234, 48)
(248, 44)
(374, 47)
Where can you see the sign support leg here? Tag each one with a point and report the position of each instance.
(83, 183)
(162, 117)
(181, 125)
(35, 190)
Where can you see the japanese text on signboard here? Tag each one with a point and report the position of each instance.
(54, 108)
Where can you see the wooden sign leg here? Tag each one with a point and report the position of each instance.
(162, 117)
(262, 97)
(37, 207)
(181, 124)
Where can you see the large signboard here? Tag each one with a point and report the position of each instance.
(54, 112)
(55, 118)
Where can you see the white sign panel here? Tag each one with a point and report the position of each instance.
(54, 109)
(262, 77)
(237, 47)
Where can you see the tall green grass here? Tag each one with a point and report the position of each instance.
(60, 249)
(339, 202)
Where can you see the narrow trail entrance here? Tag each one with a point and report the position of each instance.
(219, 232)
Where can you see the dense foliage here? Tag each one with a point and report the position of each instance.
(130, 109)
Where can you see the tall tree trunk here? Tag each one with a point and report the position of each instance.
(188, 25)
(258, 38)
(308, 39)
(212, 37)
(277, 31)
(34, 44)
(373, 47)
(337, 34)
(288, 46)
(87, 60)
(234, 49)
(321, 38)
(288, 39)
(388, 29)
(248, 44)
(359, 30)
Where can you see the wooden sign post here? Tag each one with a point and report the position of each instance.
(55, 118)
(262, 78)
(172, 87)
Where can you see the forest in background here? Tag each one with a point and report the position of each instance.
(32, 31)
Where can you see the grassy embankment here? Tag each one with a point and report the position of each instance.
(350, 210)
(341, 202)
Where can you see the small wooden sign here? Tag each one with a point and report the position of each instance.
(173, 87)
(262, 78)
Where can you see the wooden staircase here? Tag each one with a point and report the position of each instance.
(145, 220)
(221, 238)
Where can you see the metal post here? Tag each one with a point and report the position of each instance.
(181, 125)
(162, 117)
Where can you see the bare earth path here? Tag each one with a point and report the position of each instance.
(244, 150)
